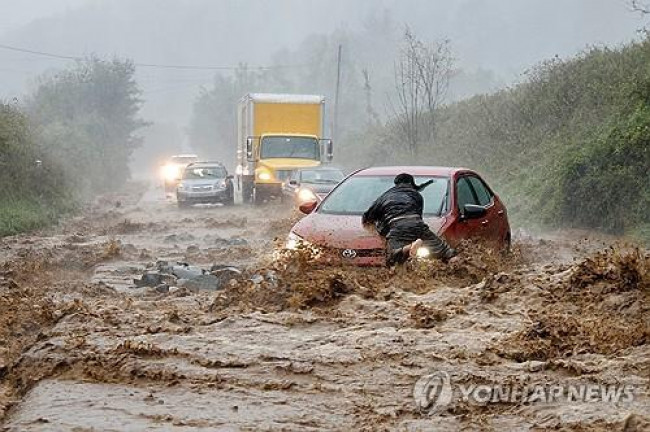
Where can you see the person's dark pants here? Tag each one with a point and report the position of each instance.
(404, 232)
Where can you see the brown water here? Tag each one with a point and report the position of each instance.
(313, 348)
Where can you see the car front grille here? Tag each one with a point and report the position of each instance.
(201, 188)
(360, 253)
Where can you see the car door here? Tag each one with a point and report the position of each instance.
(468, 228)
(492, 220)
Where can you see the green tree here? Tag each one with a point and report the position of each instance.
(86, 117)
(213, 125)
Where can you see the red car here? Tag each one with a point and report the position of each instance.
(458, 205)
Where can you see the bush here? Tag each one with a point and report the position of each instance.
(605, 185)
(33, 189)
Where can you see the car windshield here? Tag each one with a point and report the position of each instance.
(290, 147)
(206, 173)
(356, 194)
(322, 176)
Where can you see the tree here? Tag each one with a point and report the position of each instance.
(213, 127)
(422, 74)
(86, 117)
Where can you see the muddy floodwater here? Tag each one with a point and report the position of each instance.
(281, 344)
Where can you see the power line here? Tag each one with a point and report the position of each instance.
(152, 65)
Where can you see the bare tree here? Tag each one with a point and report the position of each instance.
(371, 115)
(640, 6)
(422, 74)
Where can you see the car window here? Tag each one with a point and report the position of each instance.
(196, 173)
(322, 176)
(482, 192)
(464, 193)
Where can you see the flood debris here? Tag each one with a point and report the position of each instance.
(170, 274)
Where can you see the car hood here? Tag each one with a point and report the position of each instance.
(200, 182)
(344, 231)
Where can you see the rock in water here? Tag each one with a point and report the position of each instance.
(205, 282)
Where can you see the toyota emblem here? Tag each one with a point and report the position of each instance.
(349, 253)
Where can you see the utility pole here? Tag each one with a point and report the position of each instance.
(336, 97)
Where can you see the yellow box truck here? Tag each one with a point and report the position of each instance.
(278, 133)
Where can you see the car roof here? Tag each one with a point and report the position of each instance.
(205, 164)
(319, 168)
(413, 170)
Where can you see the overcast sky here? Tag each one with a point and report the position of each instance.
(16, 13)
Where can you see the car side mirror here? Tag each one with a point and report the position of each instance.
(472, 211)
(249, 148)
(307, 207)
(330, 150)
(293, 182)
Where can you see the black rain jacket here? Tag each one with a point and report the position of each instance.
(399, 201)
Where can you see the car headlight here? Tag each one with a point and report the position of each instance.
(171, 172)
(305, 195)
(293, 241)
(264, 175)
(422, 252)
(219, 185)
(181, 186)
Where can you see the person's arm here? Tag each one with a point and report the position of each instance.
(424, 185)
(372, 214)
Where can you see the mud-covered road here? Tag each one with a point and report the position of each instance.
(288, 346)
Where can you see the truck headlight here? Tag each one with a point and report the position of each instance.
(264, 175)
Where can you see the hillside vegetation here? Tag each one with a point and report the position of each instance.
(569, 147)
(33, 188)
(71, 140)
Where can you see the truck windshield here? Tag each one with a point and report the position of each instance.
(290, 147)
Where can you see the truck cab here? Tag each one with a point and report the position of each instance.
(278, 134)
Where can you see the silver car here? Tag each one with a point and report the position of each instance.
(205, 183)
(311, 184)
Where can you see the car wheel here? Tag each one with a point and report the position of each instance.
(507, 245)
(230, 199)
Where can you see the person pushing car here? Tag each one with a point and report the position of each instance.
(397, 216)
